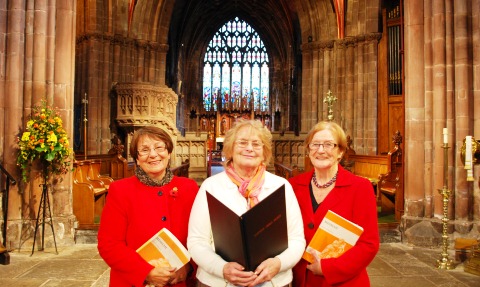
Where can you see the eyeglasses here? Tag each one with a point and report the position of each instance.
(328, 146)
(244, 144)
(146, 151)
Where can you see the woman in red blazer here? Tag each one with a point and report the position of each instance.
(139, 206)
(330, 187)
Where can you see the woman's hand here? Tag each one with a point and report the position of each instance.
(180, 275)
(233, 273)
(267, 270)
(160, 276)
(316, 266)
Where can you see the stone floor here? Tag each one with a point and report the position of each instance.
(80, 265)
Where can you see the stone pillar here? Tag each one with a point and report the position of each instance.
(61, 55)
(461, 99)
(39, 51)
(327, 76)
(315, 95)
(357, 121)
(11, 96)
(415, 158)
(424, 128)
(307, 79)
(345, 110)
(475, 102)
(440, 88)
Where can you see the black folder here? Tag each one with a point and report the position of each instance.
(249, 239)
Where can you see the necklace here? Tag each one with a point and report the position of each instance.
(330, 182)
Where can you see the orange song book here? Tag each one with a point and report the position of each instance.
(334, 236)
(164, 250)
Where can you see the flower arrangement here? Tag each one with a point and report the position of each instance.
(44, 138)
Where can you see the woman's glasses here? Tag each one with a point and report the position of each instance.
(245, 143)
(146, 151)
(328, 146)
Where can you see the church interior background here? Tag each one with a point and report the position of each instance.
(195, 67)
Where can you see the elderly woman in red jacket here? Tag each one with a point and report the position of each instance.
(330, 187)
(139, 206)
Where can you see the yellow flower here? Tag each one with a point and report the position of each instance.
(26, 136)
(52, 137)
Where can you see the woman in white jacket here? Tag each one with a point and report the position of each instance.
(247, 151)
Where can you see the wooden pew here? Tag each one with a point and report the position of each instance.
(390, 185)
(89, 196)
(286, 171)
(182, 170)
(112, 165)
(94, 173)
(369, 166)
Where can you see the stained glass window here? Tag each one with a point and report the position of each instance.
(236, 72)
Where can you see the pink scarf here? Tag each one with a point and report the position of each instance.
(250, 189)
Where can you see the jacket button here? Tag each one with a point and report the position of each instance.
(160, 193)
(310, 225)
(164, 218)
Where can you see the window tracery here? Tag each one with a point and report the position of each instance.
(236, 70)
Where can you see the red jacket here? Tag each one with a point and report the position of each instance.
(132, 214)
(353, 198)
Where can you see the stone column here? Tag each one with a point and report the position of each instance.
(415, 158)
(11, 96)
(476, 71)
(345, 110)
(327, 76)
(358, 121)
(307, 69)
(439, 101)
(62, 52)
(39, 65)
(463, 95)
(315, 95)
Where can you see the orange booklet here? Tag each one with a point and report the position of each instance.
(164, 250)
(334, 236)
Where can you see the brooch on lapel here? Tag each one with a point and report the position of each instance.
(174, 192)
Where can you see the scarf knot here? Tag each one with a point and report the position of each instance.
(250, 189)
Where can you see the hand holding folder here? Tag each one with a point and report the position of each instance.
(256, 235)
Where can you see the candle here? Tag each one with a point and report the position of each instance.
(445, 135)
(468, 152)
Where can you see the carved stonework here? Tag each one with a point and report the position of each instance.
(123, 41)
(318, 45)
(144, 104)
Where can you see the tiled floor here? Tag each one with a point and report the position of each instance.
(80, 265)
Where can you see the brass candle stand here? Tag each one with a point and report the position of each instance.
(445, 262)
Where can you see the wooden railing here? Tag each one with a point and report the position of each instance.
(181, 170)
(286, 171)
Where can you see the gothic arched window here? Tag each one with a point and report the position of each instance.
(236, 70)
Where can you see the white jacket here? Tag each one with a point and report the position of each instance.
(200, 241)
